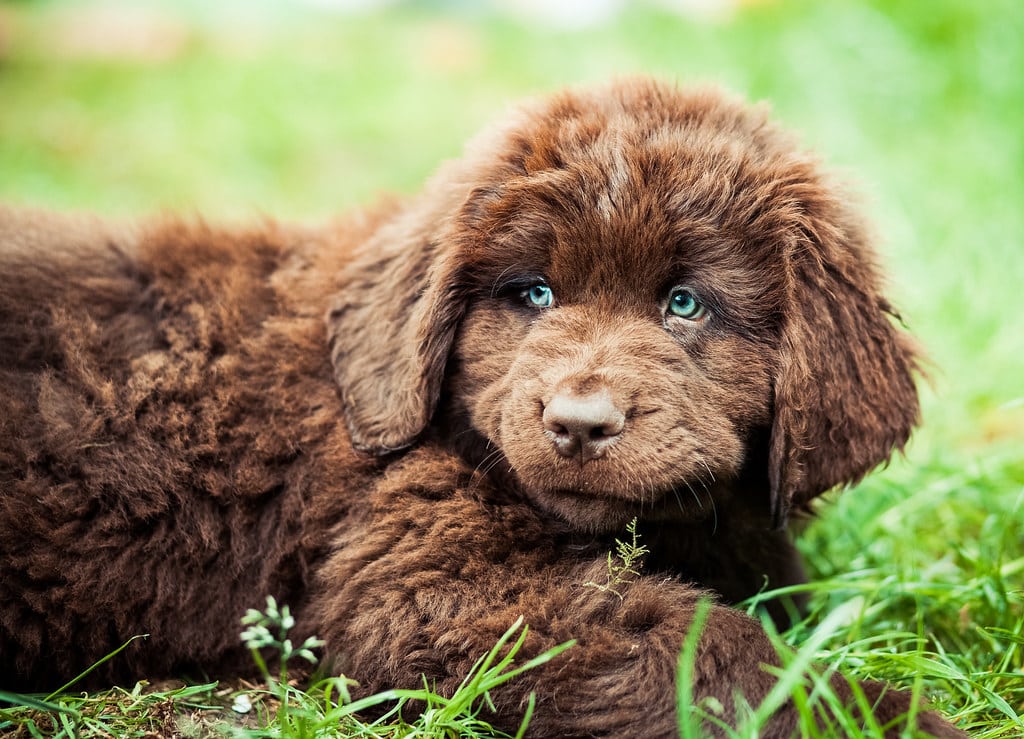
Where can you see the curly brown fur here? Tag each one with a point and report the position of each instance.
(181, 435)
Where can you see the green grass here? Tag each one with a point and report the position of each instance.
(919, 104)
(324, 708)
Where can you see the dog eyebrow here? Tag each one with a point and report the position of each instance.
(517, 279)
(500, 283)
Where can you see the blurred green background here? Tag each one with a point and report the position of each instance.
(303, 109)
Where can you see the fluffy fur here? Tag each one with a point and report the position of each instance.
(511, 369)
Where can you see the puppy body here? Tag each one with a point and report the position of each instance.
(171, 446)
(629, 302)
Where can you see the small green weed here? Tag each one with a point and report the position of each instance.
(269, 630)
(624, 565)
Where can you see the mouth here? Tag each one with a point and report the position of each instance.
(589, 494)
(586, 511)
(605, 512)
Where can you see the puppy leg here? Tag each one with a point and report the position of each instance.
(435, 577)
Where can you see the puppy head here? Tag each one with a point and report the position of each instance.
(627, 289)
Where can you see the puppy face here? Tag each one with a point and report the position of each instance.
(617, 346)
(622, 291)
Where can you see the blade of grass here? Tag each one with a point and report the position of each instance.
(28, 701)
(64, 688)
(685, 710)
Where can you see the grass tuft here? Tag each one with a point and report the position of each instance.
(279, 708)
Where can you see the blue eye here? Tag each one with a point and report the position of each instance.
(539, 296)
(683, 303)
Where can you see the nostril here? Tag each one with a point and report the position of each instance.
(614, 422)
(557, 429)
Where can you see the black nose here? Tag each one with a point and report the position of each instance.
(583, 426)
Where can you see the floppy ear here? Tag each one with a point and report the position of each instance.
(844, 395)
(391, 326)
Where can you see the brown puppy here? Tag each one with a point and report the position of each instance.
(625, 302)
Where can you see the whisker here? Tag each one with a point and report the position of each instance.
(696, 497)
(679, 500)
(484, 467)
(711, 498)
(710, 473)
